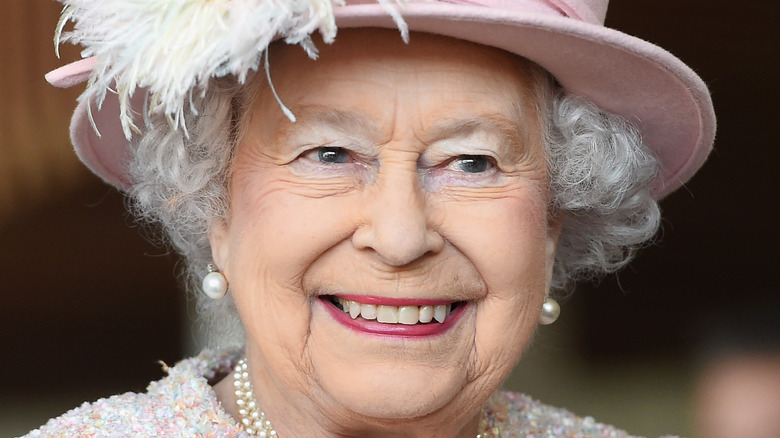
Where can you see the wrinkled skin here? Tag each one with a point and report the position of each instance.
(431, 185)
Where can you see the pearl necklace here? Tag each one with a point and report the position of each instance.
(255, 423)
(253, 419)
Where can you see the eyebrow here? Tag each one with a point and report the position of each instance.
(511, 137)
(348, 122)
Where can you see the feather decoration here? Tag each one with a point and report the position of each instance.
(173, 47)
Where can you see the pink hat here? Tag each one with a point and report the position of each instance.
(625, 75)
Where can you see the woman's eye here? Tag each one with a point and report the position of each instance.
(470, 163)
(332, 155)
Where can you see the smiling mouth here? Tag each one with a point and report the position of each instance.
(386, 314)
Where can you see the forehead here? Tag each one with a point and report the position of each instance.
(375, 73)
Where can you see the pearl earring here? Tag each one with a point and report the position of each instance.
(550, 311)
(215, 284)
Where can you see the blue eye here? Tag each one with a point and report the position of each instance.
(471, 163)
(332, 155)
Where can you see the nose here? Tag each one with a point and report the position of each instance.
(397, 228)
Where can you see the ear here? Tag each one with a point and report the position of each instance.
(218, 239)
(554, 227)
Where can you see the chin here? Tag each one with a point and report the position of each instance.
(390, 392)
(386, 378)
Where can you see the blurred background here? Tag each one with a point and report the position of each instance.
(684, 341)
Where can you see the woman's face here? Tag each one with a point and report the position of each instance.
(414, 177)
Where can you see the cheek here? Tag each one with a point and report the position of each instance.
(506, 240)
(285, 225)
(276, 232)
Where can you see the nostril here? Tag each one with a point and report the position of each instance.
(396, 225)
(397, 247)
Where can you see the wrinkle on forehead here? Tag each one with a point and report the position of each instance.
(348, 122)
(439, 57)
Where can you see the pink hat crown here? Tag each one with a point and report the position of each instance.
(622, 74)
(589, 11)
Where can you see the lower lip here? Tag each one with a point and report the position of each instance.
(394, 330)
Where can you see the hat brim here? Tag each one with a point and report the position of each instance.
(625, 75)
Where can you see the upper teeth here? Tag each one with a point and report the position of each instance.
(396, 314)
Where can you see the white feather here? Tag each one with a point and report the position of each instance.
(173, 47)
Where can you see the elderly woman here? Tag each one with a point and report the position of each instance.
(382, 227)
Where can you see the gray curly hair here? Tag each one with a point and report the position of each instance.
(598, 168)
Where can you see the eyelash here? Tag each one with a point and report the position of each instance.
(338, 153)
(485, 163)
(447, 173)
(317, 154)
(341, 155)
